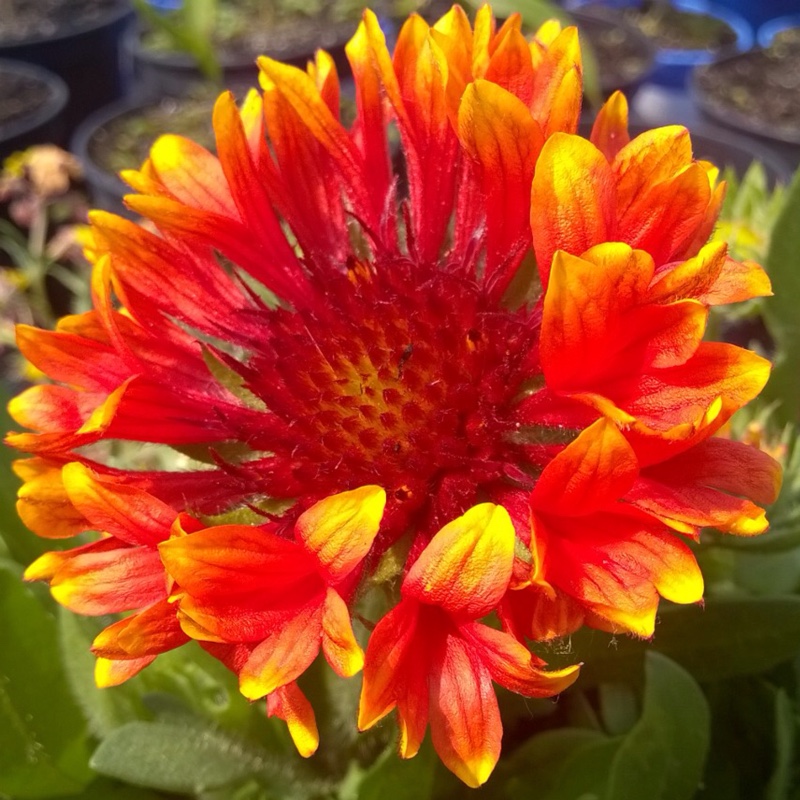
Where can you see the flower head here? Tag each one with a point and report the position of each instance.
(482, 380)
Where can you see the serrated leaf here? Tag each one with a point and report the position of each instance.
(730, 636)
(191, 756)
(780, 311)
(43, 750)
(663, 755)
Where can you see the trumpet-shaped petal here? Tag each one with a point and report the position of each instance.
(249, 586)
(432, 661)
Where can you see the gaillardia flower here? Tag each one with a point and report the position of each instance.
(476, 382)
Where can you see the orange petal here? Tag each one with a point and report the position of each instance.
(192, 175)
(240, 565)
(533, 614)
(511, 67)
(467, 566)
(738, 281)
(668, 397)
(589, 474)
(558, 86)
(465, 719)
(616, 566)
(651, 158)
(692, 278)
(573, 199)
(105, 579)
(583, 321)
(339, 530)
(109, 673)
(665, 216)
(42, 501)
(386, 663)
(130, 514)
(338, 642)
(291, 705)
(284, 656)
(610, 129)
(248, 192)
(148, 633)
(500, 136)
(513, 666)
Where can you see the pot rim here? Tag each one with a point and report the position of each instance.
(121, 10)
(730, 117)
(50, 109)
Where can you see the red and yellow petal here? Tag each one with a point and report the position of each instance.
(102, 578)
(127, 512)
(389, 651)
(339, 644)
(573, 199)
(339, 531)
(42, 501)
(467, 566)
(284, 655)
(147, 633)
(590, 474)
(513, 666)
(610, 128)
(465, 720)
(291, 705)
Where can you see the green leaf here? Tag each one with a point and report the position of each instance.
(390, 777)
(662, 757)
(192, 756)
(43, 750)
(730, 636)
(780, 311)
(780, 783)
(104, 709)
(618, 707)
(107, 789)
(565, 764)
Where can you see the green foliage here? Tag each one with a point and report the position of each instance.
(663, 754)
(730, 636)
(780, 313)
(749, 213)
(191, 755)
(188, 30)
(43, 747)
(661, 757)
(391, 778)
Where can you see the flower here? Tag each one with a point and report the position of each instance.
(493, 359)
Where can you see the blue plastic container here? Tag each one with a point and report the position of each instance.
(674, 66)
(757, 12)
(766, 33)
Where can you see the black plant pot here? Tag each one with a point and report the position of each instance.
(158, 73)
(44, 122)
(784, 139)
(625, 56)
(86, 57)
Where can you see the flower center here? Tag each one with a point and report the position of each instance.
(396, 383)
